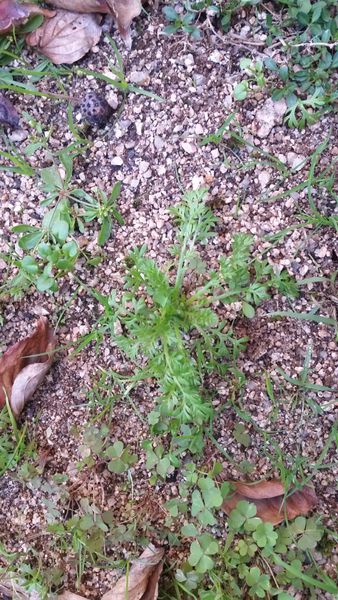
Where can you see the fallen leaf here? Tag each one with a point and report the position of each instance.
(268, 496)
(83, 6)
(124, 12)
(24, 365)
(8, 114)
(67, 37)
(13, 14)
(142, 581)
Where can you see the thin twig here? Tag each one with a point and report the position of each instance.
(226, 39)
(311, 44)
(239, 39)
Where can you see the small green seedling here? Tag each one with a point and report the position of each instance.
(255, 70)
(51, 251)
(181, 22)
(102, 208)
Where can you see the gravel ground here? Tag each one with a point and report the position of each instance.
(153, 148)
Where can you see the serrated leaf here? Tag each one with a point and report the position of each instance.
(86, 522)
(51, 178)
(241, 90)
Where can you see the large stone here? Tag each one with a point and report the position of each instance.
(269, 115)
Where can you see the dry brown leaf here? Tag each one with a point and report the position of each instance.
(268, 496)
(8, 114)
(13, 14)
(67, 37)
(83, 6)
(24, 365)
(124, 12)
(142, 582)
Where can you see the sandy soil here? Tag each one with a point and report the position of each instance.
(158, 147)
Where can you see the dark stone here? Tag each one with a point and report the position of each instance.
(95, 109)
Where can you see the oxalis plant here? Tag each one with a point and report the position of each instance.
(257, 559)
(171, 322)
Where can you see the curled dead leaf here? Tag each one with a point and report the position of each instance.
(143, 577)
(24, 365)
(67, 37)
(13, 14)
(124, 12)
(268, 496)
(83, 6)
(8, 114)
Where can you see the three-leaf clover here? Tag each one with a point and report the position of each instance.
(120, 458)
(202, 501)
(244, 516)
(246, 549)
(265, 535)
(200, 552)
(309, 530)
(157, 458)
(258, 583)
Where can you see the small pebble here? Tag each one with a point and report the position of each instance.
(18, 135)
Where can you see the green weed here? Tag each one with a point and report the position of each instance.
(306, 32)
(13, 442)
(176, 328)
(51, 250)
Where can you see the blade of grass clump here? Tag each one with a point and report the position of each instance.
(314, 162)
(123, 86)
(303, 317)
(20, 165)
(305, 384)
(328, 585)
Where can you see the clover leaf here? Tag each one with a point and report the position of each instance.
(312, 534)
(200, 552)
(258, 583)
(244, 513)
(121, 459)
(264, 535)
